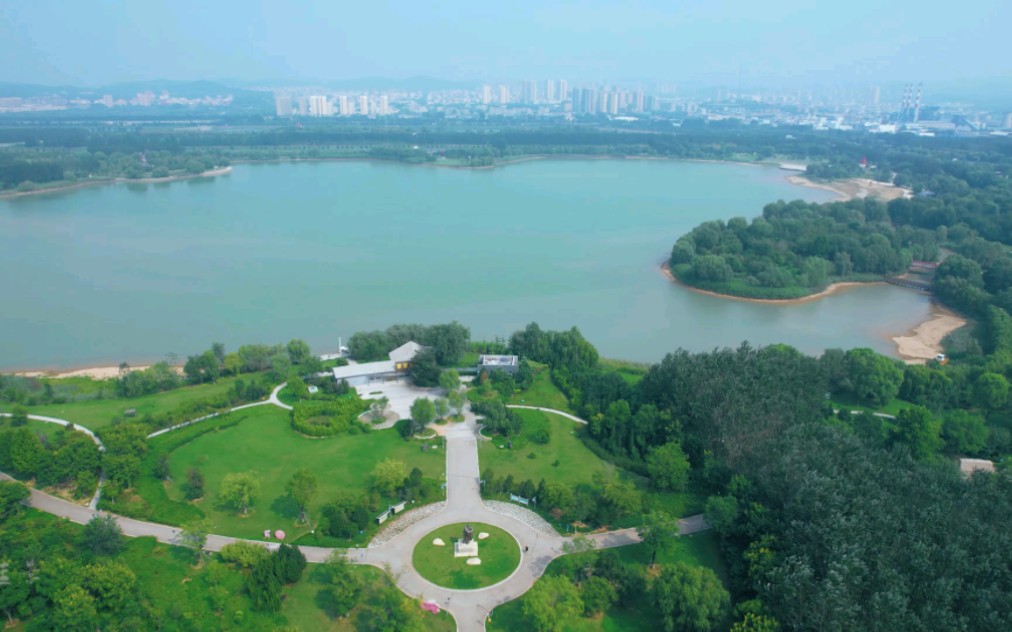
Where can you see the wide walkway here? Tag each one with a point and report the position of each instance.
(470, 608)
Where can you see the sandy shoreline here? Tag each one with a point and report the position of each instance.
(833, 288)
(854, 188)
(924, 341)
(94, 183)
(916, 346)
(95, 372)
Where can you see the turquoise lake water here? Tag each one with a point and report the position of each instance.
(323, 249)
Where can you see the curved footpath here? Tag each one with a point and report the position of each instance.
(470, 608)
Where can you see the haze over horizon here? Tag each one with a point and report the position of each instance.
(784, 41)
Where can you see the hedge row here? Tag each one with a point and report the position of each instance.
(322, 419)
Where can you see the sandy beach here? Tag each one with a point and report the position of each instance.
(833, 288)
(94, 183)
(95, 372)
(854, 188)
(924, 342)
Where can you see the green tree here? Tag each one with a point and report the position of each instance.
(990, 391)
(122, 469)
(19, 416)
(291, 563)
(553, 602)
(26, 452)
(264, 583)
(964, 432)
(12, 498)
(658, 532)
(916, 428)
(101, 536)
(193, 535)
(598, 594)
(74, 610)
(442, 407)
(689, 598)
(449, 380)
(753, 622)
(14, 589)
(668, 467)
(298, 351)
(111, 583)
(425, 369)
(302, 488)
(423, 412)
(722, 513)
(194, 486)
(238, 490)
(388, 475)
(456, 400)
(874, 378)
(341, 589)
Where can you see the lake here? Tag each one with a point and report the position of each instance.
(318, 250)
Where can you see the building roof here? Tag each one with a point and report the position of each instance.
(360, 370)
(497, 360)
(969, 466)
(405, 352)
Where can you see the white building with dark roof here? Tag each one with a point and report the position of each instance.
(395, 368)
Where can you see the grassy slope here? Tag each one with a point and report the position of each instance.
(542, 393)
(499, 555)
(264, 442)
(98, 413)
(700, 549)
(577, 464)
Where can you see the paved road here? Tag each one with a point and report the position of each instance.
(470, 608)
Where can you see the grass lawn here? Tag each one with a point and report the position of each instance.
(542, 392)
(893, 407)
(264, 442)
(98, 413)
(576, 463)
(631, 372)
(499, 555)
(700, 549)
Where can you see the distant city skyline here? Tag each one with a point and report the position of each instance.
(781, 42)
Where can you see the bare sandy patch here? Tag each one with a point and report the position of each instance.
(924, 342)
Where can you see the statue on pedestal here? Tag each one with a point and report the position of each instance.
(468, 534)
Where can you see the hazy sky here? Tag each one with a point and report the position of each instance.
(92, 42)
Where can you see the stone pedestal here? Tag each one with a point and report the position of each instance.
(470, 549)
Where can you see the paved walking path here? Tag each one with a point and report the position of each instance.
(550, 410)
(470, 608)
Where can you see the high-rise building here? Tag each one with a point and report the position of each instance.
(486, 94)
(343, 107)
(563, 90)
(384, 106)
(612, 105)
(640, 98)
(504, 95)
(318, 106)
(529, 92)
(283, 105)
(363, 104)
(550, 91)
(1008, 121)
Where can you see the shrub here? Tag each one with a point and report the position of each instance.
(322, 419)
(244, 554)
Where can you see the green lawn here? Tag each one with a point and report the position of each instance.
(264, 442)
(700, 549)
(893, 407)
(576, 463)
(542, 392)
(631, 372)
(499, 555)
(98, 413)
